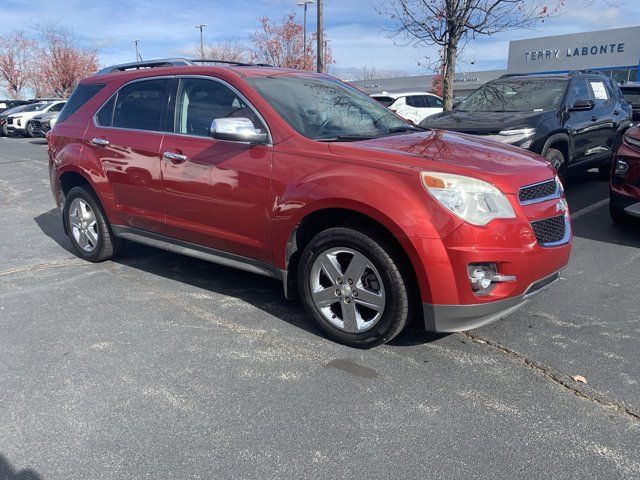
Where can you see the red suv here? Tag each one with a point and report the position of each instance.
(624, 202)
(303, 178)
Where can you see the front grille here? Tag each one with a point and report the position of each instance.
(538, 191)
(550, 230)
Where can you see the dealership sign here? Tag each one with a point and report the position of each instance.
(605, 49)
(619, 47)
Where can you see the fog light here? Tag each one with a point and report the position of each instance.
(483, 275)
(622, 168)
(480, 275)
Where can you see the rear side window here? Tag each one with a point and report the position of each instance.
(81, 95)
(416, 101)
(137, 106)
(57, 107)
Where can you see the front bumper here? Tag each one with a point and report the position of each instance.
(457, 318)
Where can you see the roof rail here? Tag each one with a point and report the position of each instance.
(163, 62)
(171, 62)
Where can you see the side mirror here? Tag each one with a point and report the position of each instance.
(581, 105)
(238, 129)
(455, 104)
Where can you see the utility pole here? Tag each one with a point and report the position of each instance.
(320, 39)
(304, 3)
(138, 57)
(200, 27)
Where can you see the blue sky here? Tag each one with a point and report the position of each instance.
(356, 31)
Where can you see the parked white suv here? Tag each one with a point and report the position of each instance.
(414, 106)
(20, 123)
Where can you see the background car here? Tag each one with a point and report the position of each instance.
(631, 93)
(624, 199)
(6, 113)
(414, 106)
(575, 120)
(9, 104)
(42, 123)
(20, 123)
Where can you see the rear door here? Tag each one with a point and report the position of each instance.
(604, 118)
(579, 123)
(125, 137)
(216, 192)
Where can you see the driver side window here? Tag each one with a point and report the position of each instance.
(200, 101)
(579, 91)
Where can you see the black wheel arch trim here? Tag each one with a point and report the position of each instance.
(557, 137)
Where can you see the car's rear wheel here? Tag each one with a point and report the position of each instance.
(352, 282)
(88, 227)
(29, 130)
(557, 160)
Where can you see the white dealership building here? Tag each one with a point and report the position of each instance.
(614, 52)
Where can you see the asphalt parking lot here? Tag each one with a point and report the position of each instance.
(163, 366)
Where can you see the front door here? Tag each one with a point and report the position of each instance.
(580, 123)
(216, 192)
(126, 141)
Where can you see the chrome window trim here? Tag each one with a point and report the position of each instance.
(95, 115)
(159, 77)
(235, 91)
(553, 196)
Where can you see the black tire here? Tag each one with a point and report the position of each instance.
(557, 160)
(617, 214)
(4, 131)
(29, 130)
(107, 245)
(382, 255)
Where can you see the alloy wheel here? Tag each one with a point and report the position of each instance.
(83, 224)
(347, 289)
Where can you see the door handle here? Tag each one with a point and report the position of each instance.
(100, 142)
(594, 118)
(175, 157)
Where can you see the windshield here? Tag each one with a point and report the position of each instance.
(515, 96)
(631, 95)
(326, 109)
(20, 108)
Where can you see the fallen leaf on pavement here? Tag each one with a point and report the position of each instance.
(579, 378)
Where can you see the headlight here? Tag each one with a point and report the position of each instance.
(472, 200)
(632, 141)
(521, 132)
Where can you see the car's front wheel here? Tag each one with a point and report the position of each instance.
(29, 130)
(353, 284)
(88, 227)
(4, 130)
(557, 160)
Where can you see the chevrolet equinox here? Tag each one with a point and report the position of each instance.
(300, 177)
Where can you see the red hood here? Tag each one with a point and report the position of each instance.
(509, 168)
(634, 132)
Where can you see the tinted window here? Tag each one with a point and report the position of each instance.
(434, 102)
(139, 105)
(579, 91)
(386, 101)
(631, 95)
(57, 107)
(105, 115)
(417, 101)
(201, 101)
(81, 95)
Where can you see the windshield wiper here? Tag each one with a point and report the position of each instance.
(344, 138)
(404, 128)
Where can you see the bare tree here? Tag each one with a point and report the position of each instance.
(449, 24)
(373, 73)
(231, 51)
(15, 58)
(282, 45)
(60, 61)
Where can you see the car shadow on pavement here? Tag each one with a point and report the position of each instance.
(51, 225)
(263, 293)
(38, 141)
(8, 473)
